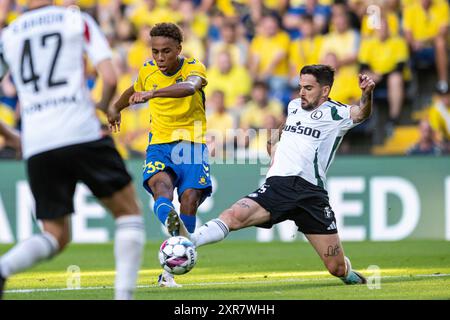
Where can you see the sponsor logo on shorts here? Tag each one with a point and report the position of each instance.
(332, 226)
(253, 195)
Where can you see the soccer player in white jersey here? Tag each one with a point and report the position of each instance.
(61, 137)
(294, 186)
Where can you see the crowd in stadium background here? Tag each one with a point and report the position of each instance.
(253, 51)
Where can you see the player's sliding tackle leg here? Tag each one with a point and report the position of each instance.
(329, 248)
(246, 213)
(129, 242)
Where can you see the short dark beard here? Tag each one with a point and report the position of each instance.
(312, 106)
(309, 107)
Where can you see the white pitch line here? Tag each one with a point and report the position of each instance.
(217, 283)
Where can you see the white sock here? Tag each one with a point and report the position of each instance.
(212, 231)
(28, 253)
(128, 246)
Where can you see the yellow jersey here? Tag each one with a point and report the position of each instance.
(305, 51)
(174, 119)
(438, 121)
(267, 48)
(425, 25)
(383, 56)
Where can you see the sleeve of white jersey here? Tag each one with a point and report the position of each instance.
(347, 122)
(95, 43)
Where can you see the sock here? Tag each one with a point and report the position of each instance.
(28, 253)
(189, 222)
(212, 231)
(162, 208)
(129, 242)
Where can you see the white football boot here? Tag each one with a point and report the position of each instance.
(167, 280)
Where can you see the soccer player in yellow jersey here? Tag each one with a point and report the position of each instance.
(177, 155)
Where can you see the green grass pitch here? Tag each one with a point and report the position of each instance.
(249, 270)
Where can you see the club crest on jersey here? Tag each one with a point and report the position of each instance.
(202, 181)
(316, 115)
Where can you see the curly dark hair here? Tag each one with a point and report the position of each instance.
(168, 30)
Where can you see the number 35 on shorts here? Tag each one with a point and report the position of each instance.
(150, 167)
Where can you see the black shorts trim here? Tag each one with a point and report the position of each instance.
(53, 175)
(294, 198)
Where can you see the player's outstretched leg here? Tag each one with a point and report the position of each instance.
(330, 250)
(244, 213)
(30, 252)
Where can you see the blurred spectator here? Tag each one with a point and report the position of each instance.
(439, 117)
(384, 57)
(234, 80)
(427, 144)
(251, 15)
(425, 24)
(197, 20)
(193, 46)
(133, 135)
(387, 9)
(305, 50)
(345, 86)
(268, 56)
(148, 12)
(259, 107)
(258, 141)
(140, 50)
(9, 114)
(320, 14)
(5, 7)
(230, 41)
(218, 122)
(279, 6)
(342, 41)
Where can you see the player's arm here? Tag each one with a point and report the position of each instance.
(12, 136)
(178, 90)
(274, 138)
(359, 113)
(113, 113)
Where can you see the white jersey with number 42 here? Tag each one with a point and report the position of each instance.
(44, 51)
(309, 140)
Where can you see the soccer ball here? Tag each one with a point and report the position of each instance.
(177, 255)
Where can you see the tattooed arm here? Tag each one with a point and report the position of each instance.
(363, 111)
